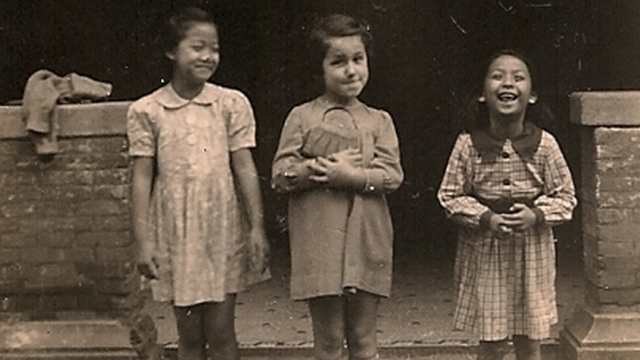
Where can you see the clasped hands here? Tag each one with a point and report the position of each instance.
(341, 170)
(519, 218)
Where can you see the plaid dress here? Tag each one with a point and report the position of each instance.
(506, 286)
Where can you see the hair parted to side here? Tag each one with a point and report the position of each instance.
(475, 115)
(336, 25)
(176, 27)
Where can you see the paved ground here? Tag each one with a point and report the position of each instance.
(415, 323)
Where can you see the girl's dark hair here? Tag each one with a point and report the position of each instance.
(336, 25)
(176, 27)
(475, 115)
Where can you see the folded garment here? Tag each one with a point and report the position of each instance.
(338, 131)
(43, 91)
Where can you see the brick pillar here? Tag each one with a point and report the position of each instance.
(68, 283)
(608, 327)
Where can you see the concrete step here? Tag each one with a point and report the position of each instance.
(550, 351)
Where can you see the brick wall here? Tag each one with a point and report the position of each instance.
(610, 198)
(65, 247)
(611, 211)
(608, 326)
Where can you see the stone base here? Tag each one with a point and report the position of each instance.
(82, 339)
(589, 336)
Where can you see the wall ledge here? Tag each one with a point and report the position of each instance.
(606, 108)
(75, 120)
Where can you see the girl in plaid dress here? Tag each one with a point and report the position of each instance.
(506, 184)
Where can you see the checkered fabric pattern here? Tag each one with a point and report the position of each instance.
(506, 286)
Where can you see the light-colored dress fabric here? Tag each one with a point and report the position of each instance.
(199, 229)
(340, 239)
(506, 286)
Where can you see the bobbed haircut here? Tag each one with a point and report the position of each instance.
(335, 25)
(176, 27)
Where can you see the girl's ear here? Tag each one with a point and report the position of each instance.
(170, 55)
(533, 98)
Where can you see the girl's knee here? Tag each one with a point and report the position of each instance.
(190, 330)
(329, 343)
(221, 334)
(192, 344)
(362, 347)
(362, 342)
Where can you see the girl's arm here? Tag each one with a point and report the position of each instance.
(558, 201)
(385, 174)
(246, 176)
(141, 184)
(453, 193)
(290, 170)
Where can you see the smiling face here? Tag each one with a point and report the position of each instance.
(508, 87)
(345, 68)
(197, 55)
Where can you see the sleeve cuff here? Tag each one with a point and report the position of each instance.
(539, 215)
(485, 218)
(374, 181)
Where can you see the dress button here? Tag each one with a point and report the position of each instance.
(505, 155)
(506, 182)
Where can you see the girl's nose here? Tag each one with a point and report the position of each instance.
(508, 82)
(209, 55)
(351, 68)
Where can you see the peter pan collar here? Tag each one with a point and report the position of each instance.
(170, 99)
(525, 144)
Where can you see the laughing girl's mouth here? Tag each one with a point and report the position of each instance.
(506, 97)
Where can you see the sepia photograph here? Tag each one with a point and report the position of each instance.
(320, 179)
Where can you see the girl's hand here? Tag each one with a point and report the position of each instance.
(520, 218)
(339, 172)
(294, 177)
(352, 156)
(301, 171)
(498, 226)
(147, 264)
(258, 251)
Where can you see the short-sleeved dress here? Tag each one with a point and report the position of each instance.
(340, 239)
(200, 231)
(506, 286)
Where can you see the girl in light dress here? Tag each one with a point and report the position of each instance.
(196, 206)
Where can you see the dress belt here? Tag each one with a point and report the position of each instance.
(502, 205)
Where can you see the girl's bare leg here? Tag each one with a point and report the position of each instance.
(220, 332)
(362, 310)
(493, 350)
(526, 348)
(327, 317)
(191, 340)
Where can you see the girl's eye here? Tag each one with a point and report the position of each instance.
(519, 78)
(338, 62)
(495, 76)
